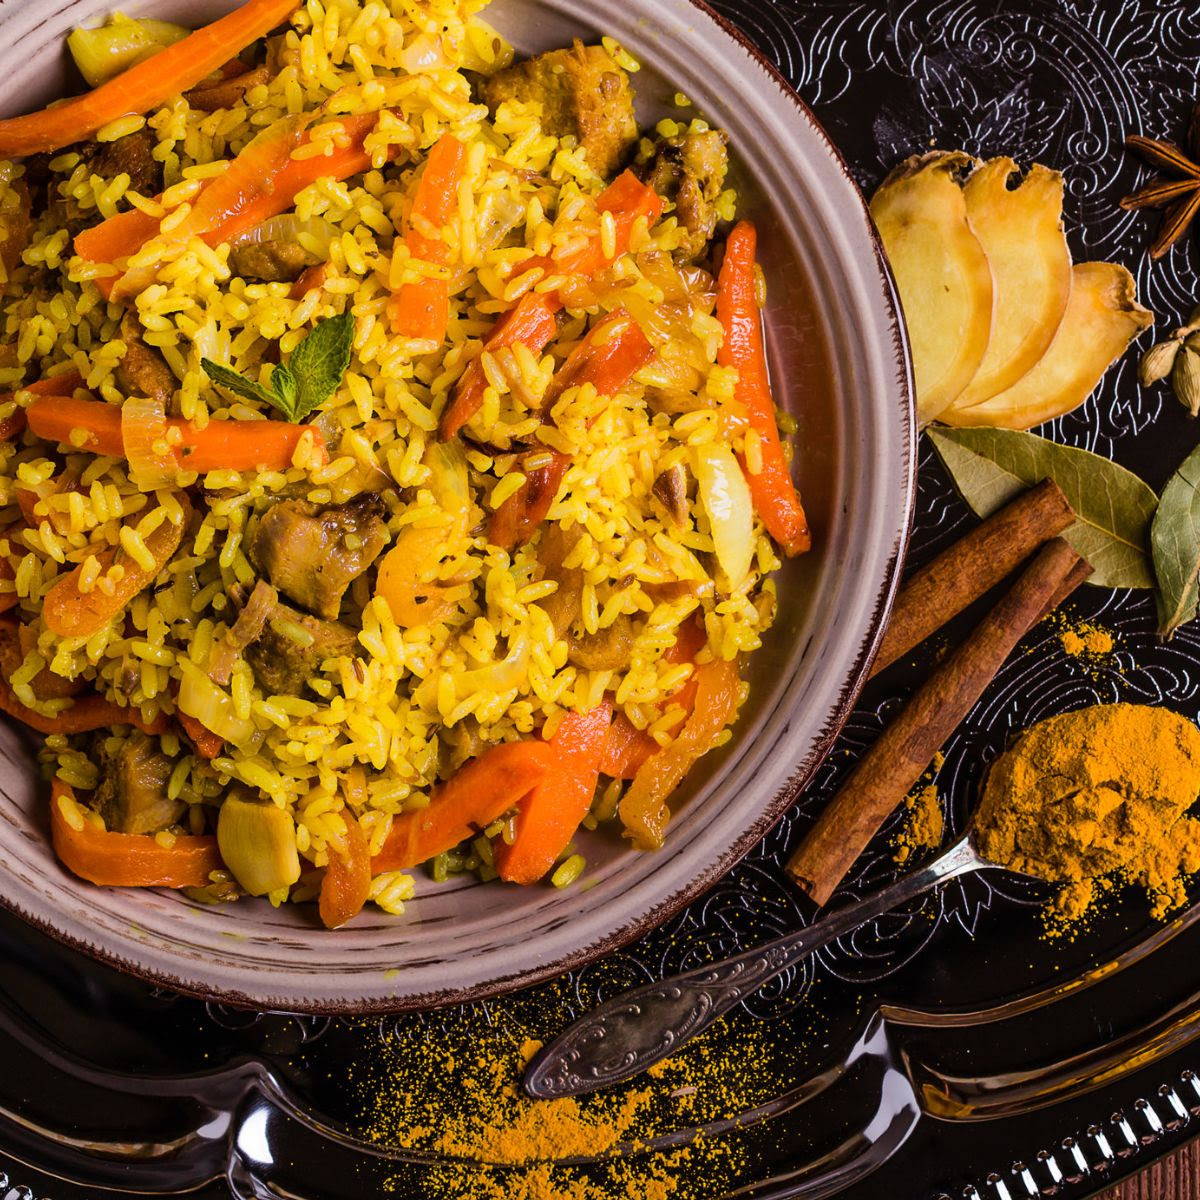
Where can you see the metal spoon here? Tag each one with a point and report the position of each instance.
(623, 1036)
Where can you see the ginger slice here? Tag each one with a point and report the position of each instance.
(1021, 232)
(941, 271)
(1103, 316)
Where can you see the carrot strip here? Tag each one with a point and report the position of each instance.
(482, 790)
(627, 198)
(401, 577)
(86, 714)
(262, 182)
(145, 86)
(128, 859)
(548, 817)
(69, 612)
(309, 281)
(627, 748)
(529, 321)
(421, 309)
(207, 744)
(220, 445)
(644, 811)
(614, 350)
(775, 497)
(347, 881)
(516, 520)
(533, 321)
(57, 385)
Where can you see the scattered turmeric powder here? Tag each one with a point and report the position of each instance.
(1086, 640)
(924, 826)
(1099, 792)
(454, 1105)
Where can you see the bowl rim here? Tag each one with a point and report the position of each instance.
(772, 811)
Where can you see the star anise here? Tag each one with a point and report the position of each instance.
(1180, 196)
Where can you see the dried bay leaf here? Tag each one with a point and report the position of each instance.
(1113, 506)
(1175, 545)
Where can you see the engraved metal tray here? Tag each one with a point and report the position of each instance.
(945, 1052)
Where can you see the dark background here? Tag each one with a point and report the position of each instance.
(958, 1004)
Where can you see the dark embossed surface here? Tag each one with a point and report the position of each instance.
(965, 1057)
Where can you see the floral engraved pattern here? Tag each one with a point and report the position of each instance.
(1056, 81)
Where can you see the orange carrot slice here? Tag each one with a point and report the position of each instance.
(128, 859)
(548, 817)
(347, 881)
(421, 309)
(775, 497)
(482, 790)
(145, 86)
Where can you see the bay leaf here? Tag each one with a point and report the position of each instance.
(1175, 546)
(1113, 506)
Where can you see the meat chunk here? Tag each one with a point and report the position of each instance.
(143, 371)
(582, 93)
(226, 91)
(16, 225)
(312, 554)
(292, 648)
(689, 170)
(132, 794)
(274, 261)
(132, 155)
(607, 649)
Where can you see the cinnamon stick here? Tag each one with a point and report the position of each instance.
(957, 577)
(907, 746)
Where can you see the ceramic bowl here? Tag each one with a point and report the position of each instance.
(839, 364)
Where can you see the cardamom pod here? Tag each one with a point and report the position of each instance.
(1157, 362)
(1185, 379)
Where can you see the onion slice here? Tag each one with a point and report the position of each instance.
(199, 697)
(726, 499)
(144, 439)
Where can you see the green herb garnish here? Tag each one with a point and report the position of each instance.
(306, 380)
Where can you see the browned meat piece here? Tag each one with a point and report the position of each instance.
(132, 794)
(273, 261)
(292, 648)
(221, 92)
(605, 650)
(16, 225)
(131, 155)
(143, 371)
(689, 170)
(562, 606)
(312, 554)
(582, 92)
(14, 645)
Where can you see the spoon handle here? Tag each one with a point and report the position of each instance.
(623, 1036)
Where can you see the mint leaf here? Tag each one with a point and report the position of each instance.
(287, 391)
(302, 384)
(239, 385)
(319, 363)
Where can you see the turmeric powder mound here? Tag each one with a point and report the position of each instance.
(1100, 791)
(924, 827)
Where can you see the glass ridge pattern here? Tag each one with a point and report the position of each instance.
(966, 1059)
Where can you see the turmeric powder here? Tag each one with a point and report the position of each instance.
(1102, 791)
(924, 826)
(454, 1105)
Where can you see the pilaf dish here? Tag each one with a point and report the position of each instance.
(389, 468)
